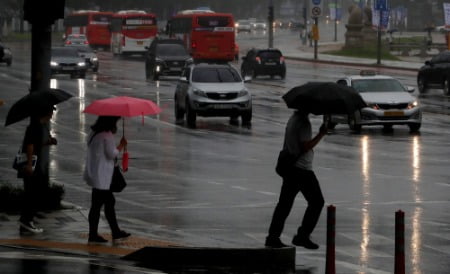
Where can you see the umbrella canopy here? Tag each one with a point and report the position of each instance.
(33, 102)
(324, 98)
(122, 106)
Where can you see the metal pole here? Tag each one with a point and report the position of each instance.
(379, 40)
(270, 23)
(335, 20)
(316, 25)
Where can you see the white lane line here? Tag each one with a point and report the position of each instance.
(266, 193)
(240, 188)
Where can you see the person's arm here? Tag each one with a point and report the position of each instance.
(314, 141)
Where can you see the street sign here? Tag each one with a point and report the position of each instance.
(315, 11)
(381, 5)
(316, 8)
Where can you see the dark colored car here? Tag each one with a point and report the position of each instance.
(5, 55)
(166, 57)
(65, 60)
(263, 62)
(89, 55)
(435, 73)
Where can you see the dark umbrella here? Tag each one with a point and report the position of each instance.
(324, 98)
(33, 102)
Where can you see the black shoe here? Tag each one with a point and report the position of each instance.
(305, 242)
(274, 243)
(29, 227)
(121, 235)
(97, 239)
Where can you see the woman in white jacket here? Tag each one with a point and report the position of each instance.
(100, 160)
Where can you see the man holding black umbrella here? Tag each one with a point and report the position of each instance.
(301, 178)
(37, 141)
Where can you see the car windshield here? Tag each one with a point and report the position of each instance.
(170, 50)
(69, 52)
(377, 85)
(214, 75)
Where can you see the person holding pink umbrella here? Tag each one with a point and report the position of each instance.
(100, 161)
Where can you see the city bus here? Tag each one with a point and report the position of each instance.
(93, 24)
(132, 31)
(207, 35)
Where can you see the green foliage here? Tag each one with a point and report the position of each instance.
(11, 197)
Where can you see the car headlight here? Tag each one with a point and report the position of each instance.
(53, 64)
(81, 64)
(94, 59)
(199, 92)
(243, 92)
(413, 104)
(372, 105)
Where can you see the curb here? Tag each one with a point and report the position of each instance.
(218, 260)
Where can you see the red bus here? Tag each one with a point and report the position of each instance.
(93, 24)
(207, 35)
(132, 31)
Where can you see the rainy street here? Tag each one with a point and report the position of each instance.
(216, 186)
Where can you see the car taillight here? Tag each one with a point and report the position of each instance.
(68, 42)
(86, 42)
(194, 45)
(281, 59)
(258, 59)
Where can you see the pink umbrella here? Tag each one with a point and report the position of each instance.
(126, 107)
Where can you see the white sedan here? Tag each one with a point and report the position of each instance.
(389, 103)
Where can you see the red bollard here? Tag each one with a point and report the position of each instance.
(399, 242)
(330, 266)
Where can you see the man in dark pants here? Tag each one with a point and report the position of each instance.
(298, 140)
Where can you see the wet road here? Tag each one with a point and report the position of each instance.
(216, 185)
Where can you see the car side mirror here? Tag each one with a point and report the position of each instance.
(410, 89)
(247, 79)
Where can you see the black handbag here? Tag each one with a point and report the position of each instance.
(285, 162)
(118, 182)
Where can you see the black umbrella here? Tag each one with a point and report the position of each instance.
(324, 98)
(33, 102)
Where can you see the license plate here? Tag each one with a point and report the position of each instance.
(222, 106)
(174, 69)
(270, 63)
(394, 113)
(140, 43)
(67, 68)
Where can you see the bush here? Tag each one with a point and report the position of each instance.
(11, 197)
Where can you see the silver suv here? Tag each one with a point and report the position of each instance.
(212, 90)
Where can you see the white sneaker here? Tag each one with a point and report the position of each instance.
(30, 227)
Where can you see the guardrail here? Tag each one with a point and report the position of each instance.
(406, 48)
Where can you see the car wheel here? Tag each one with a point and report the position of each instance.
(414, 127)
(246, 117)
(82, 75)
(8, 63)
(179, 112)
(353, 120)
(155, 76)
(253, 73)
(447, 86)
(422, 84)
(283, 75)
(191, 116)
